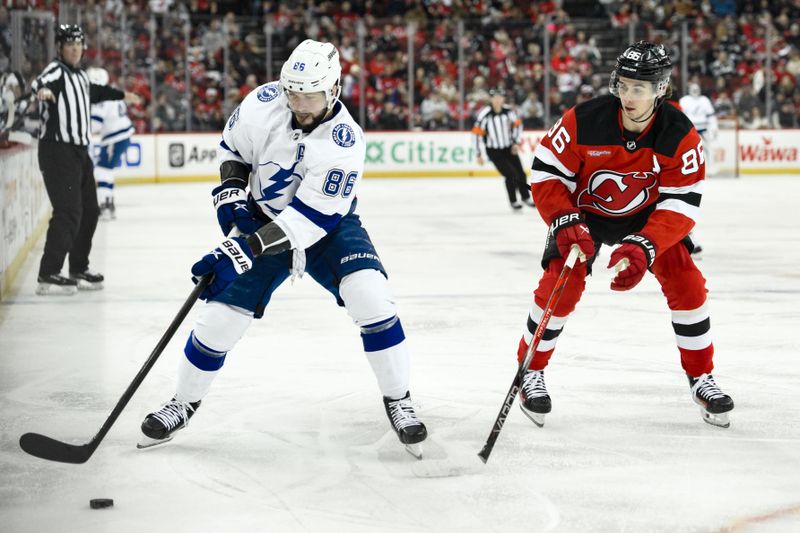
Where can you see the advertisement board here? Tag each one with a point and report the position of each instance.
(193, 156)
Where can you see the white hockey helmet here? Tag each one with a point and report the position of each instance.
(97, 75)
(313, 67)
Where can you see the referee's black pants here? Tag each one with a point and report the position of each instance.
(510, 167)
(69, 179)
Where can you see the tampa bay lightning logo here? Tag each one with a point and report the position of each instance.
(267, 93)
(343, 135)
(234, 118)
(276, 179)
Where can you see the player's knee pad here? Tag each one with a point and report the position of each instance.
(370, 304)
(220, 326)
(367, 297)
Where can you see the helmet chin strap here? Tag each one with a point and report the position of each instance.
(660, 101)
(648, 117)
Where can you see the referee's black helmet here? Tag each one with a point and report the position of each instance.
(67, 33)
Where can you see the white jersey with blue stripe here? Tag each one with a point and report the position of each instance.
(110, 122)
(305, 182)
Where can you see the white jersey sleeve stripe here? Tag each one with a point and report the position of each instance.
(544, 155)
(695, 187)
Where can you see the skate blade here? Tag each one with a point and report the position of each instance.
(84, 285)
(720, 419)
(47, 289)
(147, 442)
(415, 450)
(536, 418)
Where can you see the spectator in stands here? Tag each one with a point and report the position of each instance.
(432, 103)
(532, 111)
(723, 106)
(723, 66)
(785, 115)
(587, 46)
(754, 119)
(440, 120)
(389, 118)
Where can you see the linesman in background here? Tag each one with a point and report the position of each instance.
(65, 95)
(499, 128)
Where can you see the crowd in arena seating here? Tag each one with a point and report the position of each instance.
(202, 57)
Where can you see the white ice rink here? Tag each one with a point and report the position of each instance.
(293, 436)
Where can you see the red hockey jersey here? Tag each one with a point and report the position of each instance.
(586, 161)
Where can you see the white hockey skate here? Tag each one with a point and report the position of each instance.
(534, 400)
(714, 404)
(410, 430)
(160, 426)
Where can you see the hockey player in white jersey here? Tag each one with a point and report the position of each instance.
(112, 131)
(292, 159)
(700, 111)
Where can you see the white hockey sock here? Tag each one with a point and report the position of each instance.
(369, 302)
(392, 368)
(197, 370)
(217, 330)
(105, 183)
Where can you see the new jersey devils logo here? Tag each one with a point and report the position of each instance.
(617, 194)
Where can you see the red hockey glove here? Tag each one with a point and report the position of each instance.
(639, 253)
(569, 229)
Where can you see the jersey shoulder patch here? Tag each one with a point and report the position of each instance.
(343, 135)
(268, 92)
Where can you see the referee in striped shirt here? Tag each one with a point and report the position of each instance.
(499, 128)
(65, 94)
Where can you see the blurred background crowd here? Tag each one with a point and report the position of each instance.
(414, 64)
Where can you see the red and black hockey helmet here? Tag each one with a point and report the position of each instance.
(67, 33)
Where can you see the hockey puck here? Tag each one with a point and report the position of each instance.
(101, 503)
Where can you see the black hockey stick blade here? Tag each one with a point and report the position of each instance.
(55, 450)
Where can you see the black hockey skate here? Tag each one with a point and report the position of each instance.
(529, 202)
(87, 280)
(714, 404)
(410, 430)
(159, 427)
(534, 400)
(56, 284)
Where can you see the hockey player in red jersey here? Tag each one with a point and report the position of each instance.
(623, 169)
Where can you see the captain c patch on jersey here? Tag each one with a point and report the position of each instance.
(617, 194)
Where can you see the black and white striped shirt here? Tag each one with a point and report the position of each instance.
(497, 130)
(67, 119)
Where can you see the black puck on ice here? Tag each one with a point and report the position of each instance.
(101, 503)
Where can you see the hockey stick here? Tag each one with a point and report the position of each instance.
(53, 450)
(537, 336)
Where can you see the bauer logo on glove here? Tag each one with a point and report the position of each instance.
(226, 262)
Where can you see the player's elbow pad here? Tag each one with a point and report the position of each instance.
(269, 240)
(234, 170)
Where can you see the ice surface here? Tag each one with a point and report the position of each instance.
(293, 436)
